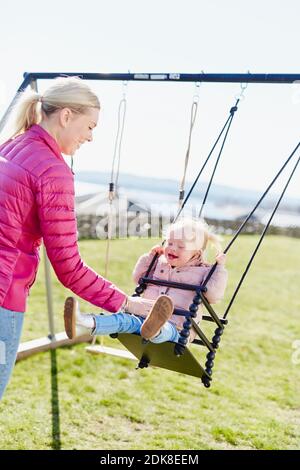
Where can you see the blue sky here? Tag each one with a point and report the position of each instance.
(168, 36)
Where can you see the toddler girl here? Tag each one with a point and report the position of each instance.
(182, 260)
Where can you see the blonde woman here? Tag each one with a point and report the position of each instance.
(182, 259)
(37, 202)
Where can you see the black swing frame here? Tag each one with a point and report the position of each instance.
(30, 79)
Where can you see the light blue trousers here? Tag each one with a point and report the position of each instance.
(10, 332)
(126, 323)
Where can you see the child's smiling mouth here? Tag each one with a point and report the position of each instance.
(171, 256)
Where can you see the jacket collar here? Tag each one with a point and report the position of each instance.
(42, 134)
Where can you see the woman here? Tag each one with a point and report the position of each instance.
(37, 202)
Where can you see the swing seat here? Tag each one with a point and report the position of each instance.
(161, 355)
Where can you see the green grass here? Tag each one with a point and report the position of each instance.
(69, 399)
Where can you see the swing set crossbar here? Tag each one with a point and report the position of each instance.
(267, 78)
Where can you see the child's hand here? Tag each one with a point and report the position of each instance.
(157, 249)
(221, 259)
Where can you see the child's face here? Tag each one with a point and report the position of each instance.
(178, 251)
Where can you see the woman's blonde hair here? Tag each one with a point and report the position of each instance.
(65, 92)
(196, 232)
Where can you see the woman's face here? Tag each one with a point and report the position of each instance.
(76, 129)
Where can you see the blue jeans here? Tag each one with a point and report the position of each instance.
(10, 332)
(126, 323)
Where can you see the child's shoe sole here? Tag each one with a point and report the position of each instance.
(70, 317)
(160, 313)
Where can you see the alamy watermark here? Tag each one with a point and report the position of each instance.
(126, 218)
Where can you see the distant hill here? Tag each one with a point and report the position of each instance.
(219, 193)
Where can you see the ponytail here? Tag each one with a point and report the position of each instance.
(215, 240)
(25, 113)
(28, 112)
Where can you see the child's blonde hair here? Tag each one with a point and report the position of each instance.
(65, 92)
(196, 232)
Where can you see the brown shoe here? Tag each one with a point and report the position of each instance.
(70, 317)
(73, 325)
(159, 314)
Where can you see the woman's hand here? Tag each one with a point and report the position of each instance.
(221, 259)
(157, 249)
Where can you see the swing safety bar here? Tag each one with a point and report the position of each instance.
(174, 285)
(186, 313)
(198, 290)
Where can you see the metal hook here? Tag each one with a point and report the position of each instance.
(125, 83)
(241, 96)
(243, 88)
(196, 93)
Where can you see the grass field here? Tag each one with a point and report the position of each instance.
(68, 399)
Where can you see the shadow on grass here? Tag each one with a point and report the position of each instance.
(56, 443)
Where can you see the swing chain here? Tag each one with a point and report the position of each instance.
(194, 111)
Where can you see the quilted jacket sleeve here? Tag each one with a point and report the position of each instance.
(55, 202)
(217, 284)
(141, 266)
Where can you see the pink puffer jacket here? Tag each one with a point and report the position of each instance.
(191, 273)
(37, 201)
